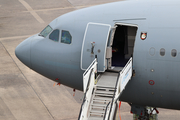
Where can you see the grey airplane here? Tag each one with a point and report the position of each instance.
(146, 30)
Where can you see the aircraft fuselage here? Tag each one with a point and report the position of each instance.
(156, 75)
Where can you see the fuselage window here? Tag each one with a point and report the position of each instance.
(174, 52)
(46, 31)
(54, 35)
(162, 52)
(66, 37)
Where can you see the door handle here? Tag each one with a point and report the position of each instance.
(92, 47)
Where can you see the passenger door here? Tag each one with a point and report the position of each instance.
(95, 43)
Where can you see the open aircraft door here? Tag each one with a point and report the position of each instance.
(95, 43)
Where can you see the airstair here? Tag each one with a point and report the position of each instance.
(102, 92)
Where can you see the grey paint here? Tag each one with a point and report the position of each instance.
(159, 19)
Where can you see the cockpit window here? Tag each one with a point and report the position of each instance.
(46, 31)
(66, 37)
(54, 35)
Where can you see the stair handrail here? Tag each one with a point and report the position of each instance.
(84, 98)
(130, 60)
(113, 95)
(106, 111)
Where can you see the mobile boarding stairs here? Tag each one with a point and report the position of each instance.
(102, 92)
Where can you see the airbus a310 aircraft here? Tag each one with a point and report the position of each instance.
(146, 30)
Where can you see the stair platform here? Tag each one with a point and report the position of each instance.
(107, 79)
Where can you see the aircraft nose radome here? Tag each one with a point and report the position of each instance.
(22, 52)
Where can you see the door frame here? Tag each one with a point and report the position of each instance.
(126, 25)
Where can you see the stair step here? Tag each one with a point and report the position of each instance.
(103, 95)
(98, 100)
(102, 98)
(100, 105)
(101, 102)
(95, 118)
(96, 115)
(104, 87)
(98, 108)
(105, 92)
(97, 111)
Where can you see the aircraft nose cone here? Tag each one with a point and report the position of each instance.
(23, 51)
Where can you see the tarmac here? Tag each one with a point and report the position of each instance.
(26, 95)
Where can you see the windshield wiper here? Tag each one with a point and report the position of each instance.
(41, 35)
